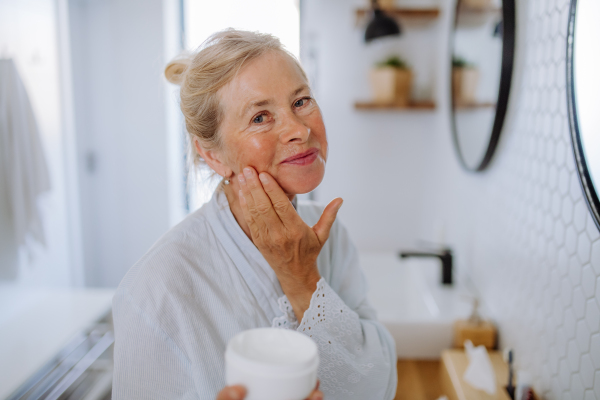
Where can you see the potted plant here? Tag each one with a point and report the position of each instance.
(391, 82)
(465, 78)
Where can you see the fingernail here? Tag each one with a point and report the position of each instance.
(247, 172)
(241, 179)
(263, 178)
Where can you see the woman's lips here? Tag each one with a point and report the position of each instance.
(304, 158)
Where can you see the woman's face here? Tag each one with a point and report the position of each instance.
(272, 123)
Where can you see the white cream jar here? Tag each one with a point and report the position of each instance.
(272, 364)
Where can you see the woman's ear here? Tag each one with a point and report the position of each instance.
(214, 160)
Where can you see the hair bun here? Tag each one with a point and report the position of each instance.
(175, 70)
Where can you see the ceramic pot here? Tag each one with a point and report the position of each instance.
(386, 4)
(464, 85)
(391, 85)
(476, 3)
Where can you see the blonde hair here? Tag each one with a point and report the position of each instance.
(203, 73)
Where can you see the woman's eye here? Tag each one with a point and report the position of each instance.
(301, 102)
(259, 119)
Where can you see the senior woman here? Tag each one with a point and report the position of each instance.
(253, 256)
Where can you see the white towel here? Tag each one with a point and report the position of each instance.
(23, 168)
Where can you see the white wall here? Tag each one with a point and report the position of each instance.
(129, 137)
(30, 34)
(120, 157)
(374, 156)
(521, 229)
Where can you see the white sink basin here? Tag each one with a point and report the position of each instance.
(412, 303)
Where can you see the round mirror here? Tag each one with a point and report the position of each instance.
(583, 90)
(482, 60)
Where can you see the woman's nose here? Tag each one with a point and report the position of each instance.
(293, 129)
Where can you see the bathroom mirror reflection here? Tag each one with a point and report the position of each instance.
(482, 59)
(584, 96)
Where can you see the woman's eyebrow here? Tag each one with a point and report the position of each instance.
(253, 104)
(266, 102)
(299, 90)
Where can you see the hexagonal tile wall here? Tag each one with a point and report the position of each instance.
(562, 347)
(538, 261)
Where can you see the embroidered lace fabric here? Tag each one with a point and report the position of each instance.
(288, 319)
(337, 331)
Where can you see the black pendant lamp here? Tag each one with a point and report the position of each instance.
(381, 25)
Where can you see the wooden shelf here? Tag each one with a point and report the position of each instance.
(403, 12)
(462, 10)
(418, 105)
(412, 13)
(470, 106)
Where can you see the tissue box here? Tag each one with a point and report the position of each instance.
(454, 364)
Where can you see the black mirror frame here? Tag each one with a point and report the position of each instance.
(508, 55)
(587, 185)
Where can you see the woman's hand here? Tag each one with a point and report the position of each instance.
(289, 245)
(238, 392)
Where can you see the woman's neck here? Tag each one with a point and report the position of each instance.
(231, 191)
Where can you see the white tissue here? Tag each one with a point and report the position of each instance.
(480, 373)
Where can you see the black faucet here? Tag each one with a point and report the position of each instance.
(445, 257)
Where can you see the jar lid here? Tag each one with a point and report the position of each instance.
(272, 351)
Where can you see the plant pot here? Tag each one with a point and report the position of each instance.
(391, 85)
(477, 4)
(464, 85)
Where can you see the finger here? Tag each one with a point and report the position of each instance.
(316, 395)
(255, 223)
(281, 203)
(323, 227)
(232, 393)
(255, 228)
(262, 207)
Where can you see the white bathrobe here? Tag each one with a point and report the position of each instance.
(204, 281)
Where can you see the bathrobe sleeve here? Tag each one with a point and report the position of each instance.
(147, 363)
(357, 354)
